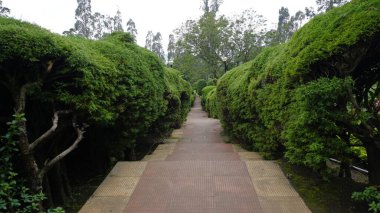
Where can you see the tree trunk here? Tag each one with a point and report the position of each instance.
(344, 170)
(48, 193)
(373, 155)
(66, 181)
(29, 162)
(56, 182)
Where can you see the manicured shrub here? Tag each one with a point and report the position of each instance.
(199, 85)
(211, 104)
(306, 98)
(205, 92)
(122, 91)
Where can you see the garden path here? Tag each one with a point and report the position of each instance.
(195, 171)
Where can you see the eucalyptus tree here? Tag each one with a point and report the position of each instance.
(211, 6)
(84, 19)
(244, 37)
(131, 28)
(4, 11)
(157, 46)
(283, 25)
(118, 22)
(149, 40)
(326, 5)
(171, 47)
(98, 25)
(213, 37)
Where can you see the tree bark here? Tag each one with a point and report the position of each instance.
(373, 155)
(344, 170)
(31, 167)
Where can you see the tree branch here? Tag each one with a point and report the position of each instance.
(80, 131)
(49, 132)
(20, 102)
(358, 109)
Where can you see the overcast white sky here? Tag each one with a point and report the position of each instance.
(156, 15)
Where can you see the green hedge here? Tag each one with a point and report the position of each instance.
(121, 90)
(211, 104)
(199, 85)
(204, 93)
(293, 98)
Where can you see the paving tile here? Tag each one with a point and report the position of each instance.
(163, 152)
(204, 147)
(231, 204)
(128, 169)
(194, 171)
(155, 157)
(197, 156)
(238, 148)
(283, 205)
(166, 146)
(171, 140)
(151, 195)
(262, 168)
(105, 204)
(193, 204)
(234, 186)
(117, 186)
(245, 156)
(273, 187)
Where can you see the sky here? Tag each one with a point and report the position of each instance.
(155, 15)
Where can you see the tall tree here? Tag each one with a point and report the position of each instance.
(149, 40)
(326, 5)
(171, 47)
(4, 11)
(98, 25)
(296, 21)
(215, 4)
(131, 28)
(211, 6)
(205, 6)
(83, 18)
(157, 46)
(243, 37)
(118, 22)
(283, 25)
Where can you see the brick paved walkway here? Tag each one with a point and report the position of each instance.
(195, 171)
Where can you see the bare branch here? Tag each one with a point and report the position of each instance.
(49, 132)
(80, 131)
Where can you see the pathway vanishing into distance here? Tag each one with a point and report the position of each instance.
(195, 171)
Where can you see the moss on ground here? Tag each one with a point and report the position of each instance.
(322, 196)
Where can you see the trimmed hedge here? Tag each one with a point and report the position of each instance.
(121, 90)
(293, 98)
(205, 92)
(211, 104)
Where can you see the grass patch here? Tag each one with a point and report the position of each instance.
(322, 196)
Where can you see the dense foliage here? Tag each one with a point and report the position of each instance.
(371, 195)
(309, 97)
(14, 196)
(122, 91)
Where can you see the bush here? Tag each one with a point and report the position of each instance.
(371, 195)
(205, 92)
(295, 98)
(14, 196)
(199, 85)
(120, 89)
(211, 104)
